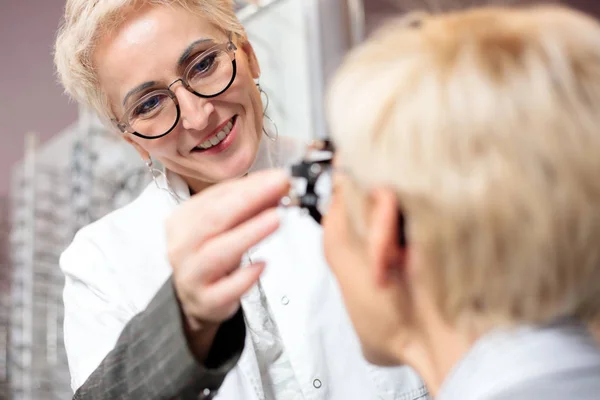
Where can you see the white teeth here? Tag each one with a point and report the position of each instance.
(215, 140)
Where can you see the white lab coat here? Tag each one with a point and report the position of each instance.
(115, 266)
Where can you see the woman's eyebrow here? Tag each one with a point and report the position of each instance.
(138, 89)
(190, 49)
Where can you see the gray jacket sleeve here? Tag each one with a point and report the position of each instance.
(152, 359)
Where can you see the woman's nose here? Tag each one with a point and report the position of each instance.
(195, 111)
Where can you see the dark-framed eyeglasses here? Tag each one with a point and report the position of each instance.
(157, 113)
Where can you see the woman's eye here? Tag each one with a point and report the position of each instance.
(147, 106)
(205, 64)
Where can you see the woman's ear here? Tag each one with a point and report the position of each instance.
(386, 255)
(142, 152)
(252, 60)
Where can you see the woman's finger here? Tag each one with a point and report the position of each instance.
(221, 208)
(222, 254)
(224, 295)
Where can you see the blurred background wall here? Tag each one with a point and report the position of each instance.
(32, 101)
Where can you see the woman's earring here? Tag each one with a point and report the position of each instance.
(157, 173)
(272, 132)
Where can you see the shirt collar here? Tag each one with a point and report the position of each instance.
(507, 357)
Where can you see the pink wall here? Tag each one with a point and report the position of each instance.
(31, 98)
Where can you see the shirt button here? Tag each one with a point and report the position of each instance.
(208, 394)
(285, 301)
(317, 384)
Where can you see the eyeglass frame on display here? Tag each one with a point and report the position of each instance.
(125, 127)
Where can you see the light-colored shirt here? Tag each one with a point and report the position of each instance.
(277, 375)
(556, 362)
(115, 266)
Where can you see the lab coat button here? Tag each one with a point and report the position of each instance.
(317, 384)
(208, 394)
(285, 301)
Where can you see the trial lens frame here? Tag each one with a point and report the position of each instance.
(310, 170)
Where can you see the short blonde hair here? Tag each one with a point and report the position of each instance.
(86, 21)
(487, 124)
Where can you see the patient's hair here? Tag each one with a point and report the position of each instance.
(86, 21)
(487, 124)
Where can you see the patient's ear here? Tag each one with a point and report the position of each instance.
(385, 252)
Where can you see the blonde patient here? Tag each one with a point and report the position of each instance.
(480, 143)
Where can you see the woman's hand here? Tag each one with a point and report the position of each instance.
(207, 237)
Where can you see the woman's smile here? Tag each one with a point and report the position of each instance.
(220, 140)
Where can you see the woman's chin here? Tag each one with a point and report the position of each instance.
(240, 166)
(232, 167)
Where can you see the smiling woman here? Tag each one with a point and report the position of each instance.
(178, 81)
(161, 65)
